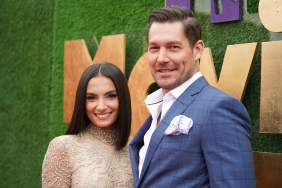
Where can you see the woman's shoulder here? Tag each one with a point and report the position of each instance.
(63, 140)
(62, 145)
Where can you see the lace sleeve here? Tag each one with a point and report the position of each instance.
(56, 168)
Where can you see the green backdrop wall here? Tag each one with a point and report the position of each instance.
(32, 35)
(26, 43)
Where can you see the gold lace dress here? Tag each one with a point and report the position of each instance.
(86, 160)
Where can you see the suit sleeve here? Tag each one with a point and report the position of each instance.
(56, 168)
(226, 145)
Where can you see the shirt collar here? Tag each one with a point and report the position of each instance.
(176, 92)
(157, 96)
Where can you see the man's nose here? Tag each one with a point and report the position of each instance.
(162, 56)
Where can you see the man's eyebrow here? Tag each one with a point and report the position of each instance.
(151, 43)
(175, 42)
(170, 42)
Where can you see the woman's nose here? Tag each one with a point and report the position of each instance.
(101, 105)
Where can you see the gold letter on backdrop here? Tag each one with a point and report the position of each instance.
(207, 67)
(235, 68)
(270, 13)
(77, 59)
(271, 88)
(139, 81)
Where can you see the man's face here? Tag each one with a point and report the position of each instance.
(171, 59)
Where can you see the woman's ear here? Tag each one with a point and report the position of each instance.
(198, 49)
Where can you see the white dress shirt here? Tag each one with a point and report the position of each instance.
(157, 103)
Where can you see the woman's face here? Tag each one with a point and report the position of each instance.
(102, 102)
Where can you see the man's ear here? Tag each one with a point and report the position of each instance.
(198, 49)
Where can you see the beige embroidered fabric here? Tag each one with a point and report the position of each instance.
(86, 160)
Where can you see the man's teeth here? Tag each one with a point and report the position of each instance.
(165, 71)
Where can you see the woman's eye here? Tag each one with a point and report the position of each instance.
(90, 97)
(112, 95)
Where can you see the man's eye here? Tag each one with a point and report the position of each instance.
(153, 48)
(174, 47)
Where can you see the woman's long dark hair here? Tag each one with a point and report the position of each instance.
(79, 121)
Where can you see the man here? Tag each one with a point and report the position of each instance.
(196, 136)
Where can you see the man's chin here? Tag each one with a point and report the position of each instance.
(166, 86)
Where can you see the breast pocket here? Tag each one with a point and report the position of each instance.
(190, 142)
(174, 142)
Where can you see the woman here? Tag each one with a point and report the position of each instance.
(94, 151)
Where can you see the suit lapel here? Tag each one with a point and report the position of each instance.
(178, 107)
(135, 145)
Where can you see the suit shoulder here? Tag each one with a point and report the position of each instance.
(216, 93)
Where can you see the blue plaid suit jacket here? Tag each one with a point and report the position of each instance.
(216, 152)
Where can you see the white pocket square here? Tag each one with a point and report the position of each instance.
(179, 125)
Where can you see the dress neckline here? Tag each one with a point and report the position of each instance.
(106, 136)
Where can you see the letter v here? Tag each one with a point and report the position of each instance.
(235, 69)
